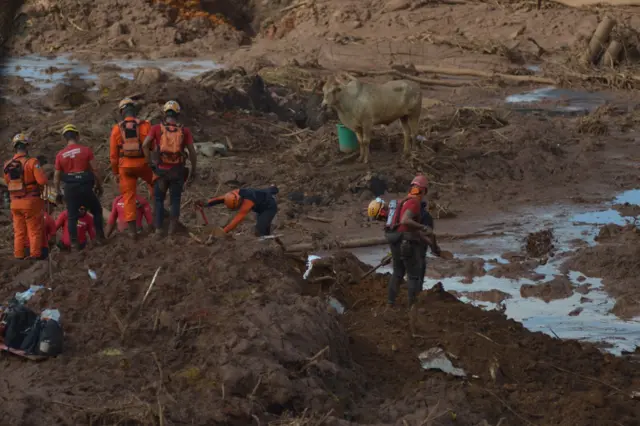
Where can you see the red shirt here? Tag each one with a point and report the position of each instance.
(48, 232)
(85, 226)
(156, 134)
(117, 212)
(74, 158)
(411, 204)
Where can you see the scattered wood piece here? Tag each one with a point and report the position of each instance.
(599, 40)
(319, 219)
(294, 6)
(314, 358)
(153, 281)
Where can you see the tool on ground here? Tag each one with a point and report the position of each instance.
(446, 254)
(204, 216)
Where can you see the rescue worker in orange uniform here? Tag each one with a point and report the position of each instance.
(127, 159)
(75, 166)
(164, 148)
(25, 178)
(49, 231)
(260, 201)
(406, 236)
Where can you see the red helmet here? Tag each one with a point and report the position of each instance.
(420, 181)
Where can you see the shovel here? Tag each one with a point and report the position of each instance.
(209, 229)
(385, 261)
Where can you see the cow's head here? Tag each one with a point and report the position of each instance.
(330, 91)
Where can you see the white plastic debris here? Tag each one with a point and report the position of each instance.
(310, 260)
(436, 359)
(335, 304)
(26, 295)
(52, 314)
(92, 274)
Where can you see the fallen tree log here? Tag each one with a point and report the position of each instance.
(599, 40)
(484, 74)
(611, 55)
(456, 71)
(427, 81)
(583, 3)
(369, 242)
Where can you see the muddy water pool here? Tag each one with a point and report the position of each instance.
(45, 72)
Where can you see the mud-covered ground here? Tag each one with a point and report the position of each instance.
(231, 333)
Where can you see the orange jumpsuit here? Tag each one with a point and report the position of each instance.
(130, 169)
(27, 207)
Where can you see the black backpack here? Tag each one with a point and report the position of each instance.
(45, 338)
(17, 321)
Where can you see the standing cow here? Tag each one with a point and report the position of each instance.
(360, 106)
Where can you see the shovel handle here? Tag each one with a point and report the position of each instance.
(204, 217)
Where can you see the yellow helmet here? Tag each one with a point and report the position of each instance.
(69, 128)
(375, 207)
(125, 102)
(19, 138)
(171, 106)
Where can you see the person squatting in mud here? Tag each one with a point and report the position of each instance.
(407, 239)
(261, 201)
(85, 229)
(75, 167)
(164, 150)
(379, 210)
(143, 211)
(128, 162)
(25, 179)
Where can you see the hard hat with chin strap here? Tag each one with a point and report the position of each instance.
(20, 138)
(171, 106)
(69, 128)
(420, 181)
(125, 103)
(375, 207)
(232, 199)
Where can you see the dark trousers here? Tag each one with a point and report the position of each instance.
(264, 219)
(76, 196)
(405, 258)
(65, 247)
(173, 182)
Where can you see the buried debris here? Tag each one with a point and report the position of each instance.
(539, 244)
(436, 359)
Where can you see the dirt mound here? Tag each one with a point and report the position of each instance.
(201, 341)
(110, 28)
(558, 288)
(513, 369)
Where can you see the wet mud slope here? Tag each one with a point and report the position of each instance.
(615, 260)
(233, 335)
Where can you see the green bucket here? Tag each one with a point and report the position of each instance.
(347, 139)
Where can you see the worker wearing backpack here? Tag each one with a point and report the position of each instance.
(127, 159)
(164, 148)
(25, 178)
